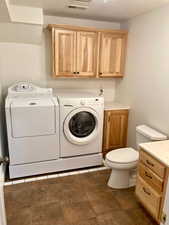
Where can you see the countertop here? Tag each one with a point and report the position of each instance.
(114, 106)
(158, 149)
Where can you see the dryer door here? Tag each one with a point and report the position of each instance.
(81, 126)
(32, 117)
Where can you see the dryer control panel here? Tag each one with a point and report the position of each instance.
(23, 87)
(26, 89)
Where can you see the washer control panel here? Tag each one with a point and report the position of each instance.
(82, 102)
(74, 102)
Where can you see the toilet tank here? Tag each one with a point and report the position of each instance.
(147, 134)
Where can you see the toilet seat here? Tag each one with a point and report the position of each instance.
(123, 156)
(121, 166)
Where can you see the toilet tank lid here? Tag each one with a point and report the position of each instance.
(150, 133)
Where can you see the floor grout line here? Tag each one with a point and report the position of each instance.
(63, 174)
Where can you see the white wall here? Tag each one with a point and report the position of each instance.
(146, 85)
(21, 60)
(12, 32)
(81, 22)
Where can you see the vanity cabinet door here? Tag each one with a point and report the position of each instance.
(64, 53)
(115, 129)
(87, 47)
(112, 55)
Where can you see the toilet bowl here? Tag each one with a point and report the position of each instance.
(121, 161)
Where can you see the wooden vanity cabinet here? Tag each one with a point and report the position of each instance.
(151, 185)
(115, 129)
(87, 52)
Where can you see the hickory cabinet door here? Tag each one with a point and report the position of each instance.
(87, 47)
(115, 129)
(112, 54)
(64, 53)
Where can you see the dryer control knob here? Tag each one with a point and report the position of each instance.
(82, 102)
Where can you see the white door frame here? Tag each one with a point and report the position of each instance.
(2, 170)
(2, 204)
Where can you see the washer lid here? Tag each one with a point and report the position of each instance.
(123, 155)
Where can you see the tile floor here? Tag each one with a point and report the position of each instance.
(79, 199)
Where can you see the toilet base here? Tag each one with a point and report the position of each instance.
(120, 179)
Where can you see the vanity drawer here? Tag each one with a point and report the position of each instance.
(149, 198)
(152, 163)
(151, 178)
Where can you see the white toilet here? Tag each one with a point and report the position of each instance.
(123, 161)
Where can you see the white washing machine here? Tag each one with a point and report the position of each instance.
(81, 127)
(32, 117)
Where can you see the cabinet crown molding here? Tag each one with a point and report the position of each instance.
(89, 29)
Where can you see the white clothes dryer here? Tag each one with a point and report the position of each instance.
(32, 117)
(81, 125)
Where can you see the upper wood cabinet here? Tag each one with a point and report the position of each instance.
(64, 53)
(112, 55)
(87, 52)
(87, 43)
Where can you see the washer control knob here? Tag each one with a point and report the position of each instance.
(82, 102)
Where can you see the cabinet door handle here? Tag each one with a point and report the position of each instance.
(147, 175)
(100, 73)
(77, 72)
(149, 163)
(74, 72)
(145, 191)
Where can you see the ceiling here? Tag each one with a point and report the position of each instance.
(98, 10)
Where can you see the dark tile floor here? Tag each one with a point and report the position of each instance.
(82, 199)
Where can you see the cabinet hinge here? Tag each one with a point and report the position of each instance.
(163, 217)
